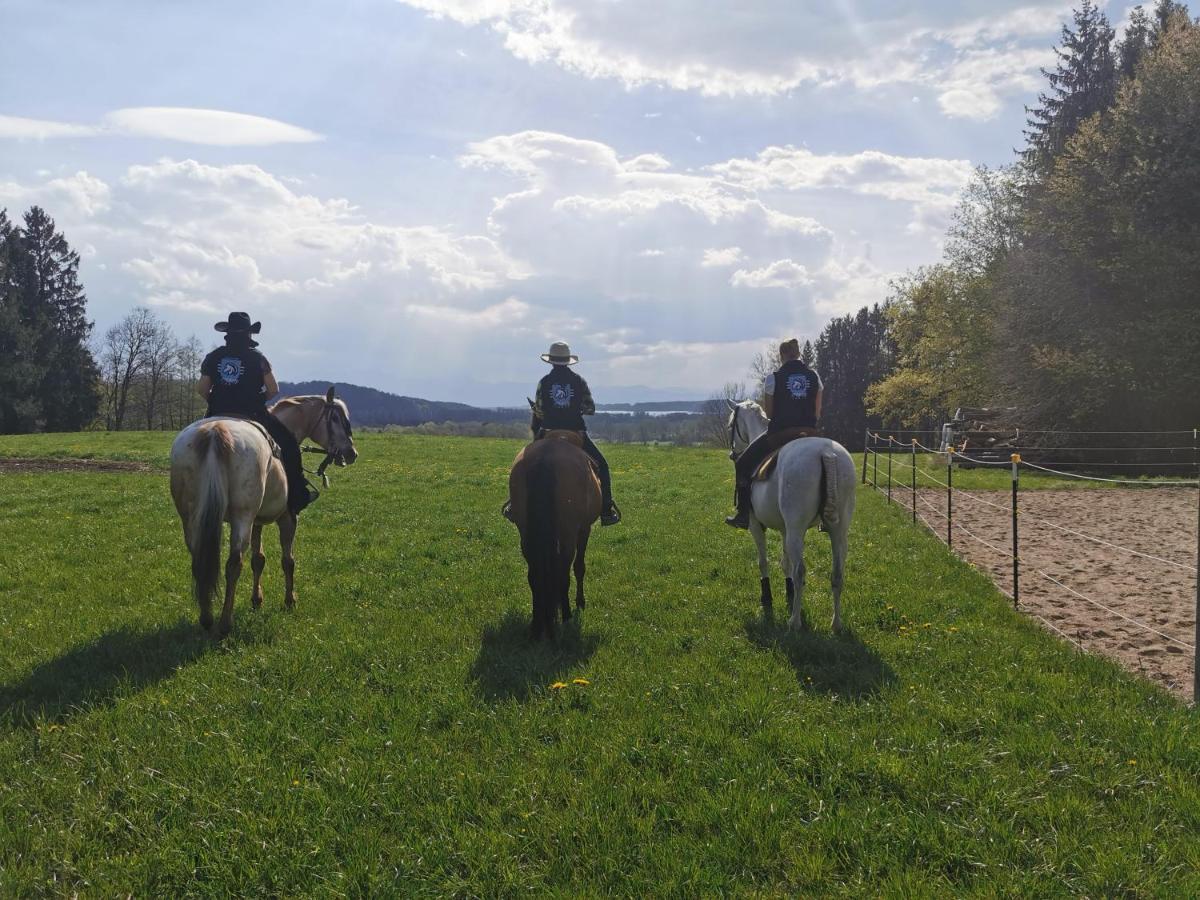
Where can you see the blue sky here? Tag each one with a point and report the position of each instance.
(421, 195)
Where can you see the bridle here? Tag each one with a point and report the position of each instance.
(331, 456)
(735, 432)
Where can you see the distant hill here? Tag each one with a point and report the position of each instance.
(369, 406)
(693, 406)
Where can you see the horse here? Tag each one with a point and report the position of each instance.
(813, 481)
(223, 470)
(555, 500)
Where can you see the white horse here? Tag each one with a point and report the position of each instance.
(813, 481)
(222, 470)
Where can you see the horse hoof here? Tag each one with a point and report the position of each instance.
(290, 602)
(256, 601)
(579, 603)
(206, 623)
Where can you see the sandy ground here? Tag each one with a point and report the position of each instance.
(1159, 593)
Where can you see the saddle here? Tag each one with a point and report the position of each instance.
(275, 451)
(560, 434)
(785, 437)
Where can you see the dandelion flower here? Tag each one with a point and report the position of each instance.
(558, 685)
(295, 782)
(582, 681)
(1132, 762)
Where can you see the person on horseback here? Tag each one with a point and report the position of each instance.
(562, 400)
(237, 380)
(792, 402)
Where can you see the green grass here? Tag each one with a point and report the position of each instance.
(397, 734)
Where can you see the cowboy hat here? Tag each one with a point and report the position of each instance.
(560, 355)
(239, 322)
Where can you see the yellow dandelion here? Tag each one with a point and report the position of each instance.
(926, 624)
(953, 628)
(582, 681)
(558, 685)
(1132, 762)
(295, 782)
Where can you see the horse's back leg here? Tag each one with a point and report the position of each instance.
(764, 567)
(239, 541)
(794, 543)
(257, 562)
(580, 565)
(785, 564)
(287, 537)
(839, 539)
(562, 581)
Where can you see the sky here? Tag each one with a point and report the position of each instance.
(420, 195)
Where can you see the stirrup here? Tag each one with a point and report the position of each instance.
(506, 510)
(611, 515)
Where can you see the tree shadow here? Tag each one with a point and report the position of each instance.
(837, 664)
(511, 665)
(97, 672)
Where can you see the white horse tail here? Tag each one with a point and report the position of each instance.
(214, 448)
(830, 488)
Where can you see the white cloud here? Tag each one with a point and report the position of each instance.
(783, 273)
(40, 129)
(195, 126)
(498, 315)
(725, 256)
(771, 47)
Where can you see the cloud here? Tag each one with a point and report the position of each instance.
(725, 256)
(783, 273)
(772, 47)
(195, 126)
(498, 315)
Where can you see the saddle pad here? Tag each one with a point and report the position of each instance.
(763, 472)
(275, 451)
(563, 434)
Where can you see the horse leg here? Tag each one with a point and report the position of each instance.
(287, 536)
(239, 540)
(839, 543)
(794, 542)
(764, 569)
(580, 565)
(562, 583)
(257, 562)
(786, 564)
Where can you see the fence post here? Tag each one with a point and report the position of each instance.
(914, 480)
(866, 444)
(875, 459)
(949, 496)
(890, 440)
(1016, 466)
(1196, 642)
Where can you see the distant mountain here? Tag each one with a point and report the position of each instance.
(693, 406)
(369, 406)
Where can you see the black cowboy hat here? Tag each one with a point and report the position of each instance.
(239, 323)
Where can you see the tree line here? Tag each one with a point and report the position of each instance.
(1067, 290)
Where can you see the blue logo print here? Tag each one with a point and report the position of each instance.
(230, 369)
(797, 386)
(561, 394)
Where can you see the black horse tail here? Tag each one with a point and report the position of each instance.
(208, 516)
(541, 543)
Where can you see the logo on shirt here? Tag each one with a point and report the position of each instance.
(797, 386)
(561, 394)
(230, 369)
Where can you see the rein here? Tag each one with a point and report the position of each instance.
(330, 456)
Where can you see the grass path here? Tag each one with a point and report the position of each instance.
(397, 734)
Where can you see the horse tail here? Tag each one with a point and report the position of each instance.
(214, 447)
(541, 541)
(831, 489)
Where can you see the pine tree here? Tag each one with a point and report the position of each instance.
(1082, 84)
(1134, 43)
(1167, 15)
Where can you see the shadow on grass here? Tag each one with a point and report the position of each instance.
(96, 673)
(838, 664)
(511, 665)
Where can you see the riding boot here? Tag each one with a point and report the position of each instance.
(741, 518)
(609, 513)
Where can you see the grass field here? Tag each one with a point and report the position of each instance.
(397, 734)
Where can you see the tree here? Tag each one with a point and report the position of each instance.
(1082, 84)
(159, 355)
(123, 358)
(47, 329)
(1134, 43)
(715, 414)
(852, 353)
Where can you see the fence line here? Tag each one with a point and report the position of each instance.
(1016, 464)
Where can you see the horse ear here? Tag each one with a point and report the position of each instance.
(732, 406)
(329, 395)
(532, 405)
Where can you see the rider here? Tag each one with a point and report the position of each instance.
(792, 400)
(561, 402)
(237, 380)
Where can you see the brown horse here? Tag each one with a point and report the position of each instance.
(223, 470)
(555, 498)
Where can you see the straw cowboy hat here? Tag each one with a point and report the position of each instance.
(560, 355)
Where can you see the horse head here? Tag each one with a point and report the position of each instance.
(333, 431)
(535, 422)
(746, 422)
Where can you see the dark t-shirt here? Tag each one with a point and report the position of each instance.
(563, 399)
(238, 377)
(795, 396)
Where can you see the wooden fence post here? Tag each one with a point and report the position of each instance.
(949, 496)
(914, 481)
(1016, 467)
(866, 444)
